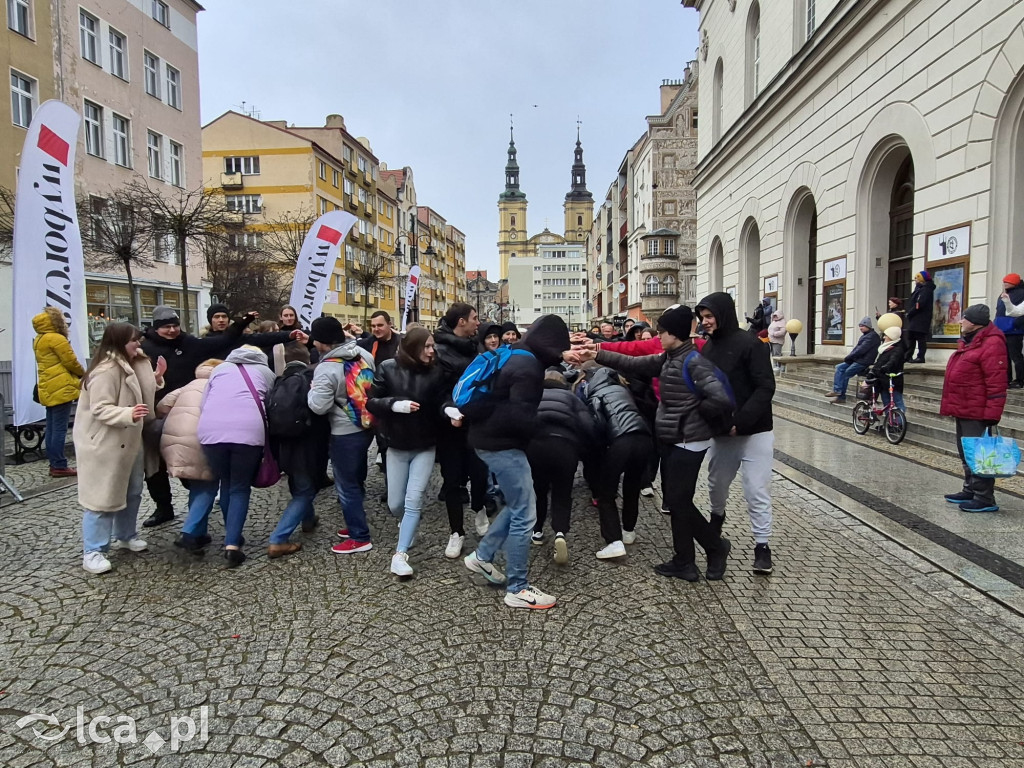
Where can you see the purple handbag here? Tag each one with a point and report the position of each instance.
(269, 473)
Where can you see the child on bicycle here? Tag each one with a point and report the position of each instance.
(891, 356)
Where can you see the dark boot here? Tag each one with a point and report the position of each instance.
(161, 516)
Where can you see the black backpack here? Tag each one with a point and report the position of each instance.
(288, 413)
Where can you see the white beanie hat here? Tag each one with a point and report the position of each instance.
(893, 333)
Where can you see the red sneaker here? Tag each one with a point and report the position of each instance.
(66, 472)
(349, 546)
(343, 533)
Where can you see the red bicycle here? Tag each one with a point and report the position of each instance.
(889, 418)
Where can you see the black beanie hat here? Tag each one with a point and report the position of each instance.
(327, 330)
(677, 321)
(215, 309)
(978, 314)
(510, 326)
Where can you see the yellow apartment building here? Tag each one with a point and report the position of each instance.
(387, 239)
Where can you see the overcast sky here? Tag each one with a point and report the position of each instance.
(431, 83)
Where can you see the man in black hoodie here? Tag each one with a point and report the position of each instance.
(745, 360)
(501, 425)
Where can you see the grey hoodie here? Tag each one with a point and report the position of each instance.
(328, 387)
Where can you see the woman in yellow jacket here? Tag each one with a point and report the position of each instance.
(60, 376)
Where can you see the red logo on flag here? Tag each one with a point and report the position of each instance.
(53, 145)
(413, 279)
(332, 236)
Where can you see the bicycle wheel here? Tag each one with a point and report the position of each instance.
(862, 417)
(895, 426)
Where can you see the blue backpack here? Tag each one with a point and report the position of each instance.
(692, 386)
(475, 382)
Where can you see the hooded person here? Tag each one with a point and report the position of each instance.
(749, 443)
(777, 332)
(490, 337)
(1012, 326)
(510, 333)
(759, 321)
(500, 430)
(917, 327)
(633, 332)
(59, 379)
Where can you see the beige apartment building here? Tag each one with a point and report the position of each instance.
(847, 145)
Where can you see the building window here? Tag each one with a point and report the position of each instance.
(23, 91)
(177, 179)
(323, 205)
(348, 187)
(173, 87)
(93, 129)
(244, 203)
(152, 66)
(513, 220)
(717, 106)
(651, 285)
(247, 240)
(247, 166)
(19, 16)
(810, 18)
(87, 27)
(334, 178)
(322, 170)
(122, 141)
(348, 154)
(361, 163)
(161, 14)
(668, 285)
(153, 141)
(753, 74)
(118, 53)
(652, 247)
(670, 247)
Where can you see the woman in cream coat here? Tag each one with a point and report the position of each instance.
(117, 396)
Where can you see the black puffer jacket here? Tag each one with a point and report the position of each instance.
(920, 306)
(425, 385)
(889, 361)
(683, 416)
(563, 415)
(615, 412)
(745, 361)
(454, 353)
(865, 350)
(507, 419)
(186, 352)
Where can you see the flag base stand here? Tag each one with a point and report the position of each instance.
(5, 485)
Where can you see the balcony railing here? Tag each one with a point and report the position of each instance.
(231, 180)
(623, 231)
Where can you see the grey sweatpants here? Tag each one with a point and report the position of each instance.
(753, 454)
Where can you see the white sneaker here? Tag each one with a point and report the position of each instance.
(629, 537)
(561, 550)
(400, 564)
(613, 550)
(135, 544)
(95, 562)
(454, 548)
(531, 598)
(488, 571)
(481, 522)
(647, 491)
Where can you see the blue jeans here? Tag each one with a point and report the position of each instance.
(98, 527)
(201, 494)
(845, 372)
(513, 526)
(57, 434)
(348, 458)
(303, 489)
(897, 396)
(408, 475)
(235, 466)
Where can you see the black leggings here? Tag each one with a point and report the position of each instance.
(679, 471)
(627, 458)
(920, 340)
(553, 462)
(458, 461)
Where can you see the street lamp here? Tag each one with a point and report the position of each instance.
(429, 252)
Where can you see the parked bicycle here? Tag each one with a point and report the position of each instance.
(870, 412)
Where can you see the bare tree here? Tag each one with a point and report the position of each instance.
(283, 236)
(369, 274)
(6, 219)
(244, 277)
(188, 217)
(117, 233)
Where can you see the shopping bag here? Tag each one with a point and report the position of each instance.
(991, 455)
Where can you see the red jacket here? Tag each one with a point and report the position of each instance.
(646, 347)
(975, 383)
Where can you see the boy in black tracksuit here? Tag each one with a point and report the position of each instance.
(566, 429)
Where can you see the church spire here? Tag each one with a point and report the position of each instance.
(512, 191)
(579, 173)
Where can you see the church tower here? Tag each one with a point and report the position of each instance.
(579, 203)
(511, 212)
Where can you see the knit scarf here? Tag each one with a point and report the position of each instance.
(887, 344)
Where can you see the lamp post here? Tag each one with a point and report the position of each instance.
(414, 310)
(477, 281)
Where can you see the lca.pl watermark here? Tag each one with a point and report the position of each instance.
(124, 731)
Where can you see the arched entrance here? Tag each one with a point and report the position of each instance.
(1007, 187)
(716, 266)
(749, 287)
(901, 232)
(801, 266)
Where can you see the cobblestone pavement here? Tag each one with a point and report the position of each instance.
(855, 653)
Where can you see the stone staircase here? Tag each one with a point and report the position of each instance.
(802, 382)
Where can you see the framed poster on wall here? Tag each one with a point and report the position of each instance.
(771, 292)
(833, 302)
(948, 260)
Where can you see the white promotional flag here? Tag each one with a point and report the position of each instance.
(410, 292)
(316, 263)
(48, 267)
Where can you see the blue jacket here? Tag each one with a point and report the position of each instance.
(1010, 326)
(865, 350)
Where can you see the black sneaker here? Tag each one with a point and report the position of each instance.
(192, 544)
(159, 517)
(762, 559)
(958, 498)
(717, 560)
(310, 524)
(235, 557)
(674, 570)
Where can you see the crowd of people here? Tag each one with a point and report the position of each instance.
(235, 408)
